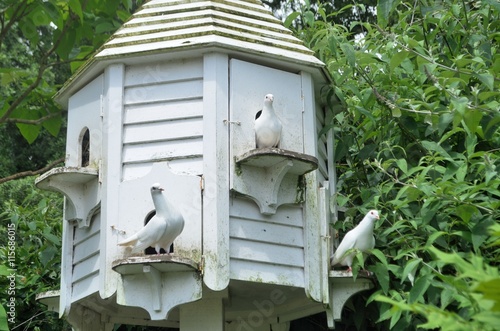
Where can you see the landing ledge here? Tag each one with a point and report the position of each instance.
(73, 175)
(268, 157)
(348, 274)
(50, 299)
(161, 262)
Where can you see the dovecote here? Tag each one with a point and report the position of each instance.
(171, 98)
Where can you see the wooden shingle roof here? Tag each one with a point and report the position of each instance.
(166, 29)
(232, 24)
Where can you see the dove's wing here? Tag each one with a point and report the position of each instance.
(349, 242)
(361, 238)
(173, 229)
(149, 235)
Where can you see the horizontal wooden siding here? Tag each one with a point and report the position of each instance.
(266, 249)
(163, 119)
(86, 259)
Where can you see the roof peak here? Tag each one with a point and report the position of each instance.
(242, 25)
(169, 29)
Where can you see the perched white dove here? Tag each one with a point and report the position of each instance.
(162, 228)
(267, 125)
(361, 238)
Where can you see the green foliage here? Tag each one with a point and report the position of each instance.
(476, 286)
(38, 225)
(19, 155)
(304, 13)
(40, 42)
(415, 107)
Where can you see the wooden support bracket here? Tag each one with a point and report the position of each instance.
(154, 278)
(80, 187)
(342, 286)
(262, 175)
(171, 280)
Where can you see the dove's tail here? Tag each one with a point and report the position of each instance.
(140, 246)
(334, 260)
(129, 241)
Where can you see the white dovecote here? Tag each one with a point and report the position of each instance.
(171, 98)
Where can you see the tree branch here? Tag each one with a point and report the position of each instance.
(33, 122)
(17, 14)
(41, 69)
(31, 172)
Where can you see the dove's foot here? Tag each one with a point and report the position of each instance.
(368, 273)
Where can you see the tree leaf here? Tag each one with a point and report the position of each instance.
(472, 119)
(435, 147)
(367, 151)
(395, 318)
(403, 165)
(4, 270)
(53, 125)
(460, 104)
(447, 296)
(104, 27)
(53, 239)
(382, 274)
(434, 236)
(67, 43)
(410, 267)
(396, 112)
(444, 121)
(309, 18)
(479, 233)
(52, 12)
(487, 79)
(490, 290)
(492, 3)
(76, 7)
(397, 58)
(384, 10)
(29, 132)
(4, 326)
(418, 290)
(30, 31)
(380, 256)
(349, 53)
(465, 212)
(47, 255)
(290, 18)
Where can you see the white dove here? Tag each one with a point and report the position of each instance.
(361, 238)
(267, 125)
(162, 228)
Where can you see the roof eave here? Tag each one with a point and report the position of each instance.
(262, 54)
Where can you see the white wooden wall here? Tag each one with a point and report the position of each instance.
(135, 201)
(163, 117)
(174, 112)
(249, 83)
(267, 249)
(86, 259)
(84, 111)
(81, 250)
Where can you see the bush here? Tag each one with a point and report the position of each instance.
(37, 218)
(415, 106)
